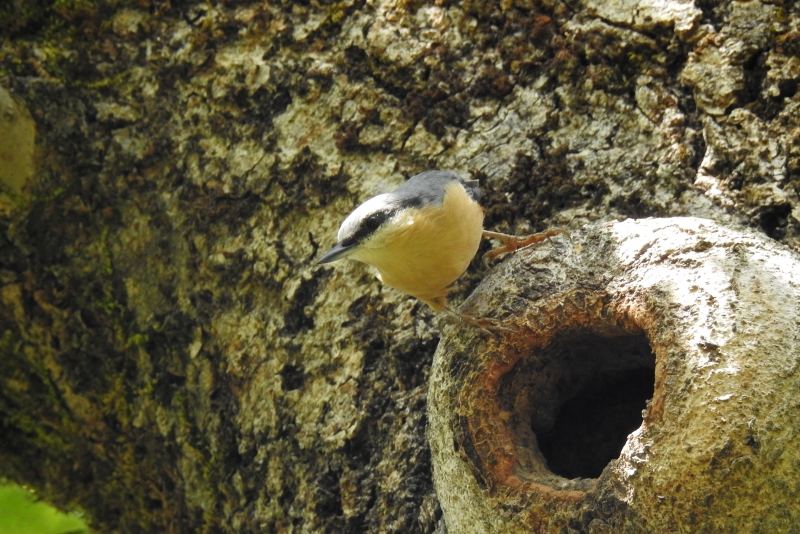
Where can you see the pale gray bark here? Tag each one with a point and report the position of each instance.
(715, 447)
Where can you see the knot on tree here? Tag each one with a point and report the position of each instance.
(652, 382)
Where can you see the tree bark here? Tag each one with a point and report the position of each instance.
(171, 357)
(646, 382)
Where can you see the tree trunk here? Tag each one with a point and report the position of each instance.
(171, 357)
(646, 381)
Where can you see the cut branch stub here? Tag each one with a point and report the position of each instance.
(653, 382)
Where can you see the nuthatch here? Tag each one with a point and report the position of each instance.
(422, 236)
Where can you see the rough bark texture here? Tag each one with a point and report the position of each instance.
(171, 358)
(715, 450)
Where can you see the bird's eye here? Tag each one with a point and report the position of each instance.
(372, 222)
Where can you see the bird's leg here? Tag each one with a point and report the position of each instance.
(514, 242)
(487, 324)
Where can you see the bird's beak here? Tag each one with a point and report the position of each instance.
(338, 252)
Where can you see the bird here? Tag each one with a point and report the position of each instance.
(423, 235)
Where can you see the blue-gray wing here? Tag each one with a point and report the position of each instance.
(428, 188)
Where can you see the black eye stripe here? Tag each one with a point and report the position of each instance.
(368, 226)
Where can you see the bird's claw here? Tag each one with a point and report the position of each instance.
(512, 243)
(487, 324)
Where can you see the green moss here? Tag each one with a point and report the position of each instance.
(38, 433)
(108, 263)
(113, 81)
(69, 8)
(49, 26)
(115, 401)
(51, 195)
(136, 340)
(8, 342)
(109, 306)
(35, 434)
(337, 12)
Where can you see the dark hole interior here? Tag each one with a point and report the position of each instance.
(591, 428)
(595, 390)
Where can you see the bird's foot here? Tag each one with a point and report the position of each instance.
(487, 324)
(512, 243)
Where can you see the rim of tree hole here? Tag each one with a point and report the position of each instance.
(600, 411)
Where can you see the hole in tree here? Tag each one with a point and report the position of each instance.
(601, 385)
(581, 396)
(592, 427)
